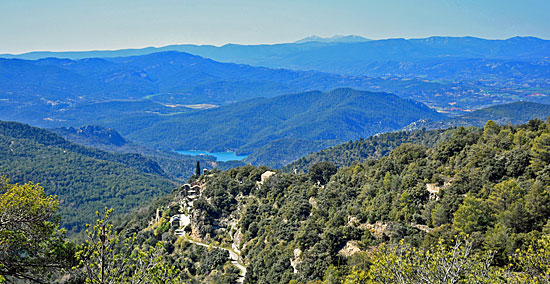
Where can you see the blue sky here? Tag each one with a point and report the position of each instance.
(27, 25)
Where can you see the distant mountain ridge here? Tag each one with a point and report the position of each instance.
(51, 92)
(452, 74)
(336, 38)
(457, 46)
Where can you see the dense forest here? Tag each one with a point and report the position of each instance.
(490, 184)
(83, 179)
(374, 147)
(477, 200)
(467, 205)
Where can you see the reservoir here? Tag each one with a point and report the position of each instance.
(220, 156)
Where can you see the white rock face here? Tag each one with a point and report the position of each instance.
(265, 176)
(297, 260)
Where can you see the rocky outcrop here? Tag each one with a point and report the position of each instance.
(296, 260)
(350, 249)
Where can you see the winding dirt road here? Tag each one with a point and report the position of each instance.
(232, 255)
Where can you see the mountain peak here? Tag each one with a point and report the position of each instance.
(336, 38)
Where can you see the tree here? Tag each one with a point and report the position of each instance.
(535, 261)
(198, 169)
(31, 245)
(443, 264)
(472, 216)
(103, 258)
(491, 128)
(322, 171)
(541, 151)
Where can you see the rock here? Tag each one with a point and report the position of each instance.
(350, 249)
(297, 260)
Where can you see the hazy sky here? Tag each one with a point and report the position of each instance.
(27, 25)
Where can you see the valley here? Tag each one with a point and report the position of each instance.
(326, 160)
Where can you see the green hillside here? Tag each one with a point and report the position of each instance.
(374, 147)
(84, 179)
(490, 184)
(380, 145)
(313, 118)
(176, 166)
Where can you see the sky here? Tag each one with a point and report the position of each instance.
(62, 25)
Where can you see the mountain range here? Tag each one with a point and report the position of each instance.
(59, 92)
(451, 74)
(358, 48)
(175, 100)
(433, 57)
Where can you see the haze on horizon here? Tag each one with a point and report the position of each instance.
(60, 25)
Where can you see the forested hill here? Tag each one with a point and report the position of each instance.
(377, 146)
(513, 113)
(84, 179)
(374, 147)
(313, 118)
(491, 184)
(48, 138)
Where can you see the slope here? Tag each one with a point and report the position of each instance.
(84, 179)
(490, 183)
(176, 166)
(59, 92)
(371, 148)
(380, 145)
(333, 117)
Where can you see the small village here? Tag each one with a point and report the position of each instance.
(184, 197)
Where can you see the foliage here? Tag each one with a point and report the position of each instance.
(83, 179)
(31, 245)
(481, 182)
(106, 258)
(322, 171)
(443, 264)
(535, 261)
(374, 147)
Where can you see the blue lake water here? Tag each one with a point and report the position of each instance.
(220, 156)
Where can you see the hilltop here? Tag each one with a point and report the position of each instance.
(313, 118)
(489, 183)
